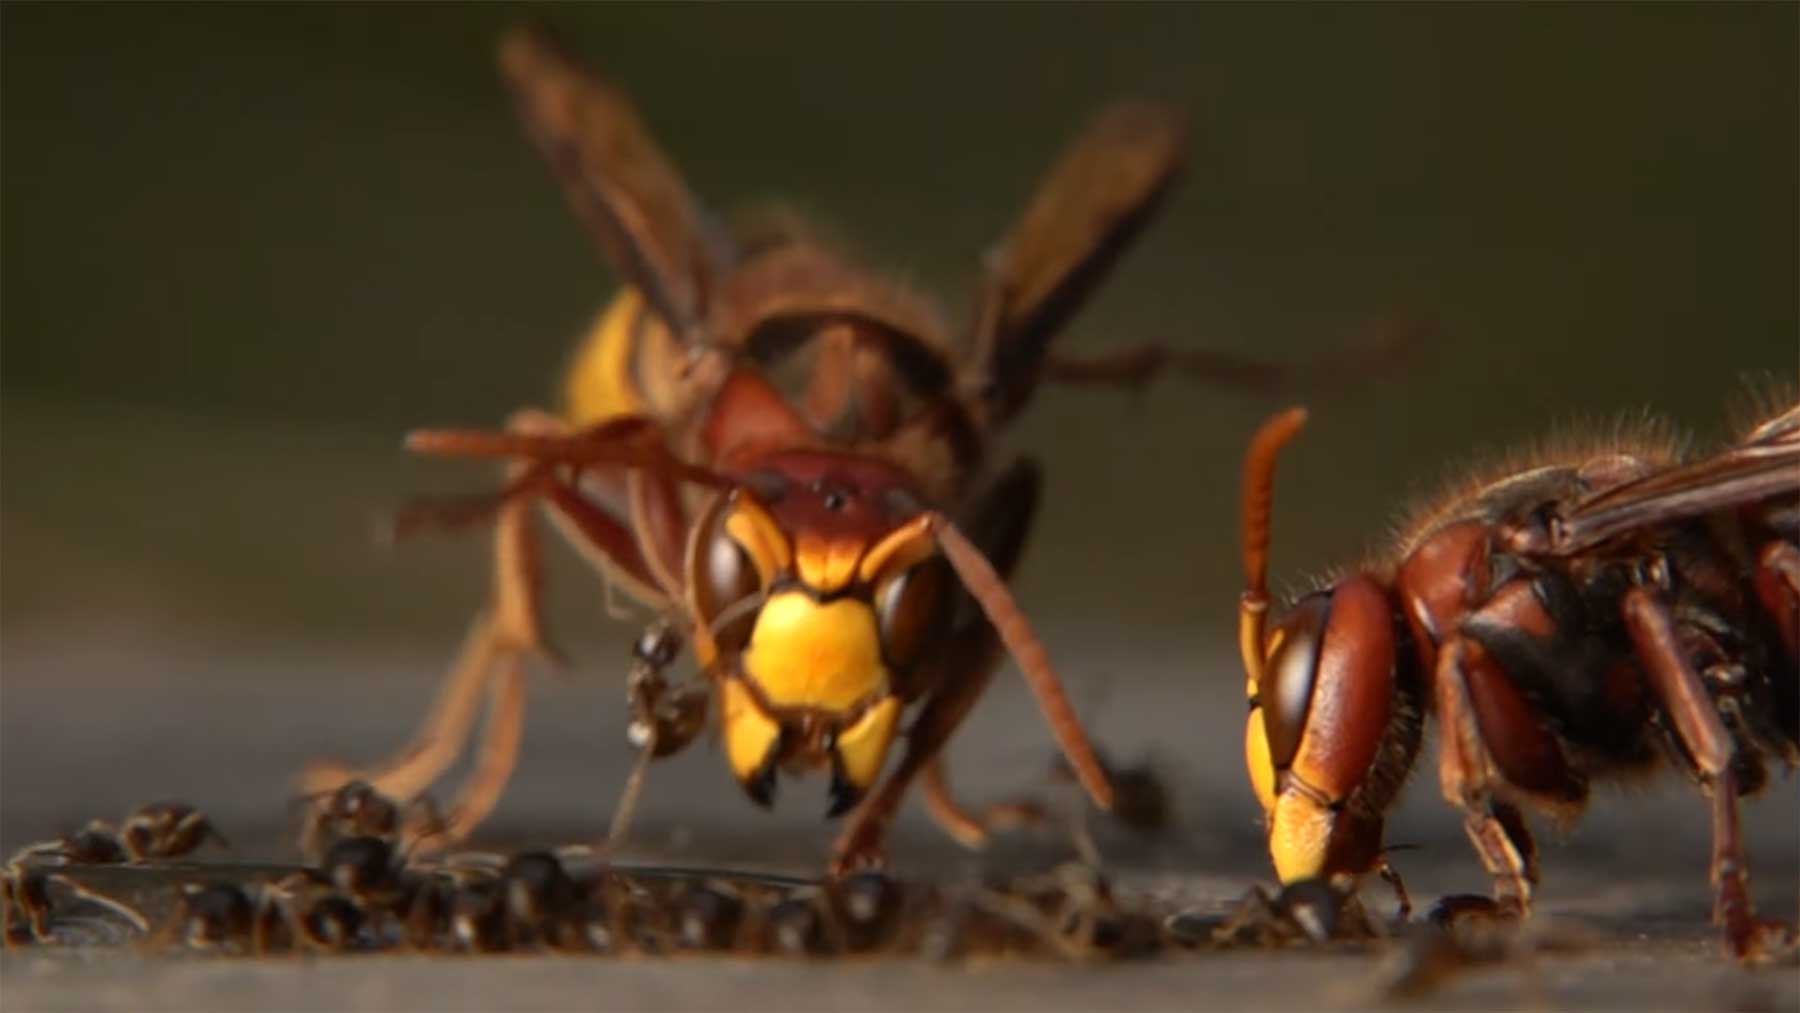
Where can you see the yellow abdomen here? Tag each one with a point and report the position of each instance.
(629, 364)
(601, 383)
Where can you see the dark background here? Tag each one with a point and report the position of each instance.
(245, 247)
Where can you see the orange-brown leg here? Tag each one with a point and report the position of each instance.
(498, 754)
(508, 629)
(972, 829)
(948, 813)
(999, 525)
(438, 740)
(1468, 775)
(1697, 724)
(1382, 347)
(1778, 585)
(492, 658)
(970, 666)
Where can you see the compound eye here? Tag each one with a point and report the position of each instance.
(724, 578)
(911, 607)
(1285, 693)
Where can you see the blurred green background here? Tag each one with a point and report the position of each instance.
(245, 247)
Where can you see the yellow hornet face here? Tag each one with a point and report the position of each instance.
(1280, 697)
(806, 634)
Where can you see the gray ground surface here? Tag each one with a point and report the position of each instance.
(227, 731)
(1651, 977)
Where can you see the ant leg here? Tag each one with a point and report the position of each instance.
(1697, 724)
(626, 808)
(24, 904)
(1391, 876)
(662, 723)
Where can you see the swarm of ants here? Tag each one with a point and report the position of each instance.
(370, 883)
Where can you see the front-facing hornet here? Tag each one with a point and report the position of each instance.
(1587, 617)
(786, 458)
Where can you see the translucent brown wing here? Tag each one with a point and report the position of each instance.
(619, 183)
(1087, 210)
(1765, 466)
